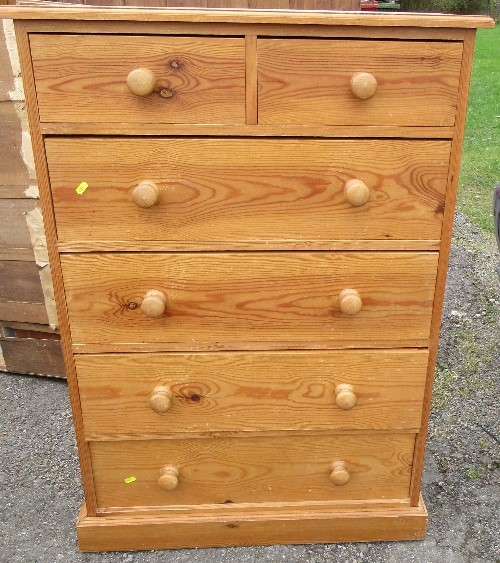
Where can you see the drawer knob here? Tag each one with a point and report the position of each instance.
(169, 478)
(160, 399)
(339, 473)
(141, 81)
(356, 192)
(146, 194)
(363, 85)
(154, 303)
(350, 302)
(345, 397)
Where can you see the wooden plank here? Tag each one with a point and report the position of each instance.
(247, 16)
(17, 253)
(304, 244)
(453, 175)
(231, 4)
(249, 392)
(229, 299)
(198, 80)
(12, 191)
(33, 356)
(14, 233)
(332, 131)
(251, 79)
(252, 469)
(185, 3)
(269, 4)
(19, 281)
(50, 230)
(310, 4)
(244, 527)
(272, 191)
(6, 73)
(15, 325)
(417, 82)
(23, 312)
(242, 29)
(12, 167)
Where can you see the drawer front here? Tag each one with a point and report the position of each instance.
(193, 301)
(157, 394)
(252, 470)
(253, 191)
(308, 81)
(83, 78)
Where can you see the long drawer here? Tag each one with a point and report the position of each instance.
(158, 394)
(83, 78)
(192, 301)
(222, 191)
(252, 470)
(339, 82)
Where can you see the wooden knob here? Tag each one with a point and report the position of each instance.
(141, 81)
(363, 85)
(345, 397)
(154, 303)
(146, 194)
(350, 302)
(169, 478)
(339, 473)
(356, 192)
(160, 399)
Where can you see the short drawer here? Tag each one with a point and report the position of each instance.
(211, 192)
(157, 394)
(194, 301)
(251, 470)
(83, 78)
(350, 82)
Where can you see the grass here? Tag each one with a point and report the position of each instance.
(481, 153)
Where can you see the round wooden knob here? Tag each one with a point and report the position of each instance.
(363, 85)
(146, 194)
(350, 302)
(169, 478)
(356, 192)
(345, 397)
(160, 399)
(339, 473)
(141, 81)
(154, 303)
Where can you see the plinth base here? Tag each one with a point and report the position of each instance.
(233, 526)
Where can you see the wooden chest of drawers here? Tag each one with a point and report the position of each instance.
(248, 216)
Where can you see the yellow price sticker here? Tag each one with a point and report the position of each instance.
(81, 188)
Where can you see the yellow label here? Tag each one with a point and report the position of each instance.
(81, 188)
(130, 479)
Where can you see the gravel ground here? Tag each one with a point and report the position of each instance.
(40, 482)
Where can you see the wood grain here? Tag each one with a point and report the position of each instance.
(249, 392)
(14, 234)
(307, 81)
(81, 76)
(242, 28)
(183, 129)
(19, 281)
(231, 298)
(243, 527)
(266, 191)
(247, 16)
(251, 79)
(50, 231)
(252, 470)
(33, 356)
